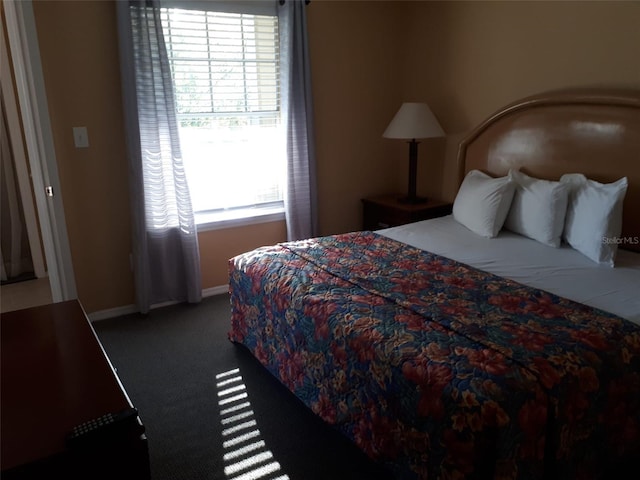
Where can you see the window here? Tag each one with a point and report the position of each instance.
(225, 69)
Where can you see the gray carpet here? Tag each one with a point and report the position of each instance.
(168, 361)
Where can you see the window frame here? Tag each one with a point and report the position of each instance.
(235, 216)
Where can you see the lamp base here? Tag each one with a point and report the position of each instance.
(413, 200)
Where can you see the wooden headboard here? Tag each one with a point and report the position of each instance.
(594, 132)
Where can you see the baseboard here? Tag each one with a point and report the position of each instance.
(129, 309)
(112, 312)
(219, 290)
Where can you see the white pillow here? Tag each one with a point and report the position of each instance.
(594, 217)
(538, 208)
(482, 203)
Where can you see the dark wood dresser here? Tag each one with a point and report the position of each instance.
(55, 376)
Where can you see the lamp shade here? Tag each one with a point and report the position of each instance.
(414, 121)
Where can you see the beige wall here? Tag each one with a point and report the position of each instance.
(356, 55)
(78, 48)
(471, 58)
(465, 59)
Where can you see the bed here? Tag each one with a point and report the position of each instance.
(443, 354)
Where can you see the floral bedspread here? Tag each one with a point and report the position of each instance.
(437, 369)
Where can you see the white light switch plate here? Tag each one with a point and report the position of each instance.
(80, 137)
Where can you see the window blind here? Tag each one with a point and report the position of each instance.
(225, 66)
(225, 69)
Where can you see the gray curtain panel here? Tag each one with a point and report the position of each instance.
(297, 116)
(165, 243)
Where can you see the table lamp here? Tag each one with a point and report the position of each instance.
(413, 121)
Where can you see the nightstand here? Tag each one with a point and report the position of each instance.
(385, 211)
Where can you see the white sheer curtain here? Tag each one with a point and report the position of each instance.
(297, 117)
(165, 242)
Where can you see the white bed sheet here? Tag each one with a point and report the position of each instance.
(562, 271)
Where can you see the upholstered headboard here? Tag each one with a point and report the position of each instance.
(594, 132)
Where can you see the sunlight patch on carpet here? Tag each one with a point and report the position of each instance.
(246, 455)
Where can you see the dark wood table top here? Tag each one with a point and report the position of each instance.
(393, 200)
(54, 375)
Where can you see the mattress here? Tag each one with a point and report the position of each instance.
(562, 271)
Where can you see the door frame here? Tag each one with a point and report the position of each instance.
(25, 55)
